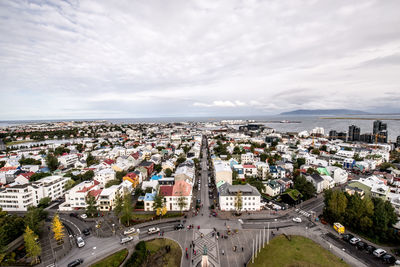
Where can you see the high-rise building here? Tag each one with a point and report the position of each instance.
(380, 129)
(332, 134)
(342, 136)
(379, 126)
(398, 141)
(354, 133)
(367, 138)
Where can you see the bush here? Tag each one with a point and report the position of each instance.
(138, 257)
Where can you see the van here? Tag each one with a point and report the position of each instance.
(339, 228)
(80, 242)
(126, 239)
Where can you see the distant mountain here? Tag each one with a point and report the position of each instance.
(325, 112)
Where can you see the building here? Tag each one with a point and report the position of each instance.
(380, 131)
(250, 171)
(398, 141)
(20, 197)
(105, 175)
(68, 160)
(272, 188)
(247, 158)
(251, 198)
(317, 181)
(222, 172)
(75, 198)
(354, 133)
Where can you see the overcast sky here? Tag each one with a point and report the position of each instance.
(121, 59)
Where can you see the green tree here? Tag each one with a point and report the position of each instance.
(305, 187)
(120, 175)
(315, 151)
(69, 184)
(126, 213)
(32, 246)
(91, 160)
(52, 162)
(38, 176)
(112, 182)
(91, 205)
(44, 202)
(238, 202)
(336, 204)
(87, 176)
(168, 172)
(157, 168)
(118, 202)
(263, 157)
(11, 227)
(180, 160)
(158, 201)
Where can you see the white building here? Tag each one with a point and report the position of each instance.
(68, 160)
(251, 198)
(247, 158)
(20, 197)
(105, 175)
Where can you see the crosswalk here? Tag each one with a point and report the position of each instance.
(305, 213)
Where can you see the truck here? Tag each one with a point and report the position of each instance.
(338, 228)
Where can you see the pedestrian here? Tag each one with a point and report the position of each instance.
(242, 249)
(190, 245)
(192, 261)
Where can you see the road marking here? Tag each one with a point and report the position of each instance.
(72, 224)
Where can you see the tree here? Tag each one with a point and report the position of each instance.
(168, 172)
(157, 168)
(87, 176)
(120, 175)
(32, 246)
(91, 207)
(37, 176)
(126, 213)
(112, 182)
(11, 227)
(34, 217)
(90, 160)
(315, 151)
(180, 160)
(323, 148)
(118, 202)
(44, 202)
(263, 157)
(181, 202)
(52, 162)
(305, 187)
(29, 161)
(238, 202)
(158, 202)
(69, 184)
(58, 229)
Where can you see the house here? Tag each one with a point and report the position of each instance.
(75, 198)
(106, 198)
(104, 176)
(247, 158)
(262, 169)
(251, 198)
(238, 168)
(133, 178)
(250, 170)
(317, 181)
(149, 166)
(68, 160)
(181, 191)
(149, 201)
(23, 178)
(272, 188)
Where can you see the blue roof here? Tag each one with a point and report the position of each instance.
(141, 198)
(156, 177)
(149, 197)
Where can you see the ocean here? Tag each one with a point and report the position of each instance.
(305, 122)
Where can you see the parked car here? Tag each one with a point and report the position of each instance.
(179, 226)
(347, 237)
(153, 230)
(390, 259)
(297, 219)
(130, 231)
(80, 242)
(354, 240)
(86, 231)
(126, 239)
(75, 263)
(379, 252)
(84, 216)
(370, 249)
(73, 215)
(361, 245)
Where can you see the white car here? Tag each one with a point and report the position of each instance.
(379, 252)
(126, 239)
(80, 242)
(297, 219)
(84, 216)
(153, 230)
(354, 240)
(131, 231)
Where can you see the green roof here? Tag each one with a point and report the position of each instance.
(355, 184)
(294, 194)
(323, 171)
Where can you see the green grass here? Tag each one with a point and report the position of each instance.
(113, 260)
(18, 142)
(171, 259)
(300, 251)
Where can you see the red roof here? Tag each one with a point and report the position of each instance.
(131, 175)
(27, 175)
(109, 161)
(166, 190)
(249, 166)
(135, 155)
(95, 193)
(6, 169)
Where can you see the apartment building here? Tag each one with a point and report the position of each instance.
(251, 198)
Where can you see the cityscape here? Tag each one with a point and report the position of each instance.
(199, 133)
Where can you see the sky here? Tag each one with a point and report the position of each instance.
(133, 59)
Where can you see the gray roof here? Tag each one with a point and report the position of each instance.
(231, 190)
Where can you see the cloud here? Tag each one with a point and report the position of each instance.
(96, 58)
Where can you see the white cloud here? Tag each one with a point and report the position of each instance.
(198, 57)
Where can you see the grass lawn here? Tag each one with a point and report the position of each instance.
(300, 251)
(171, 259)
(113, 260)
